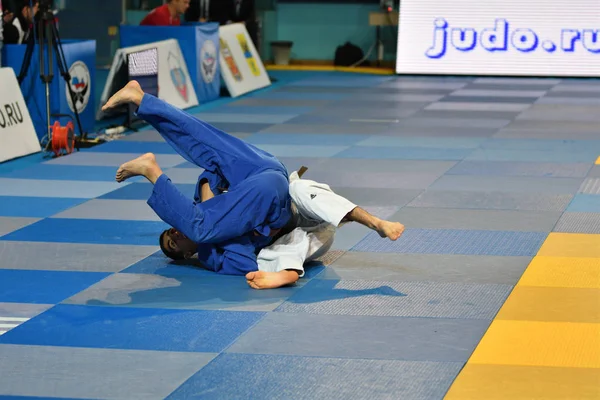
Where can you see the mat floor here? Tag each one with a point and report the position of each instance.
(495, 284)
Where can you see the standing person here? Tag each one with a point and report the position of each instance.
(167, 14)
(208, 11)
(20, 28)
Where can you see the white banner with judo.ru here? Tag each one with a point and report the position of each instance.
(17, 134)
(499, 37)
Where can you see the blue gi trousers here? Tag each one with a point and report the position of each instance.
(224, 227)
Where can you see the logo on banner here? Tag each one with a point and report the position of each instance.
(177, 76)
(11, 114)
(208, 58)
(248, 54)
(80, 86)
(229, 60)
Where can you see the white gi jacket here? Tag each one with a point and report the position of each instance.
(319, 213)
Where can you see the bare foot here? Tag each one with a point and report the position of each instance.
(130, 93)
(271, 280)
(144, 165)
(391, 230)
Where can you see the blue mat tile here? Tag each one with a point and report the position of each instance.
(404, 153)
(64, 172)
(384, 338)
(39, 207)
(280, 150)
(121, 146)
(143, 190)
(285, 377)
(213, 118)
(231, 127)
(133, 328)
(43, 287)
(509, 168)
(59, 230)
(451, 241)
(305, 139)
(543, 144)
(585, 203)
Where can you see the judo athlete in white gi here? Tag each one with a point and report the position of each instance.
(261, 223)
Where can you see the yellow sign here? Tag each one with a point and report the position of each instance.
(248, 54)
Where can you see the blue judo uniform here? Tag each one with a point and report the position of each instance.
(257, 197)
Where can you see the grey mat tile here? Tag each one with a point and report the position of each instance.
(478, 106)
(279, 102)
(427, 120)
(518, 81)
(507, 184)
(482, 118)
(524, 155)
(590, 186)
(594, 88)
(213, 118)
(404, 97)
(422, 339)
(568, 127)
(351, 114)
(505, 270)
(184, 175)
(584, 101)
(568, 114)
(322, 378)
(71, 372)
(114, 159)
(171, 288)
(353, 165)
(438, 131)
(368, 180)
(508, 86)
(413, 84)
(377, 196)
(22, 310)
(492, 200)
(55, 188)
(71, 256)
(501, 220)
(490, 99)
(594, 172)
(398, 299)
(546, 133)
(498, 93)
(125, 210)
(510, 168)
(573, 93)
(579, 222)
(11, 224)
(342, 129)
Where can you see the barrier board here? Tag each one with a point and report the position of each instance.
(175, 85)
(499, 37)
(17, 134)
(241, 67)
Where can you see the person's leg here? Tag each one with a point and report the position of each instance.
(391, 230)
(260, 203)
(198, 142)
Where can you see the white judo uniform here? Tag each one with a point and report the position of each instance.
(318, 211)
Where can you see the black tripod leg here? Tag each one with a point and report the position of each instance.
(27, 59)
(62, 66)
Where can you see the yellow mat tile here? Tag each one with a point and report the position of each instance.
(495, 382)
(570, 245)
(528, 303)
(598, 161)
(570, 272)
(550, 344)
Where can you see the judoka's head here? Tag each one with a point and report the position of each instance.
(176, 245)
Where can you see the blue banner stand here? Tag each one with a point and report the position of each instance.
(80, 57)
(199, 45)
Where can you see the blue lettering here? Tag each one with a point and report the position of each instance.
(591, 40)
(525, 40)
(568, 39)
(464, 39)
(440, 39)
(495, 39)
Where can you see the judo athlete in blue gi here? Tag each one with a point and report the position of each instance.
(242, 199)
(248, 216)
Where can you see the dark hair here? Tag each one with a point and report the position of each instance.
(169, 253)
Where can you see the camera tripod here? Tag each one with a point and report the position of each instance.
(45, 28)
